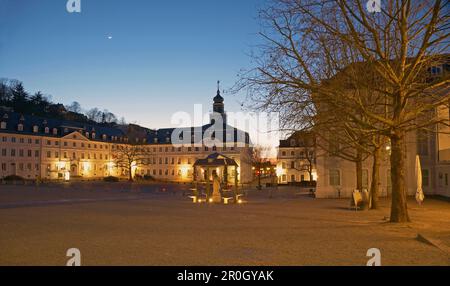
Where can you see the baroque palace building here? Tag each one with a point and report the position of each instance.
(49, 149)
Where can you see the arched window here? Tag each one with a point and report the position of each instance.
(20, 127)
(47, 130)
(55, 131)
(35, 129)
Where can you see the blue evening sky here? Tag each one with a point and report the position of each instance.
(163, 56)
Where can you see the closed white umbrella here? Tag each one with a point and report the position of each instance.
(419, 192)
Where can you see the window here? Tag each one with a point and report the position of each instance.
(3, 125)
(13, 152)
(20, 127)
(293, 165)
(49, 154)
(335, 178)
(3, 152)
(425, 178)
(283, 153)
(436, 70)
(46, 130)
(36, 153)
(35, 129)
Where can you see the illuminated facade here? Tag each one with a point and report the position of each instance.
(39, 148)
(296, 159)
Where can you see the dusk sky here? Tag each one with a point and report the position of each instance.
(162, 57)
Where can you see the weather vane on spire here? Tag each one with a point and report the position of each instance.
(218, 85)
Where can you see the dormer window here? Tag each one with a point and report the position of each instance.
(167, 139)
(47, 130)
(20, 127)
(292, 142)
(35, 129)
(155, 140)
(104, 136)
(86, 134)
(3, 125)
(55, 131)
(93, 135)
(66, 130)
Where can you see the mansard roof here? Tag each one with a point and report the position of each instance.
(63, 127)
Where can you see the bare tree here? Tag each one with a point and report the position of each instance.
(307, 42)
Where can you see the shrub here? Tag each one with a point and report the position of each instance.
(110, 179)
